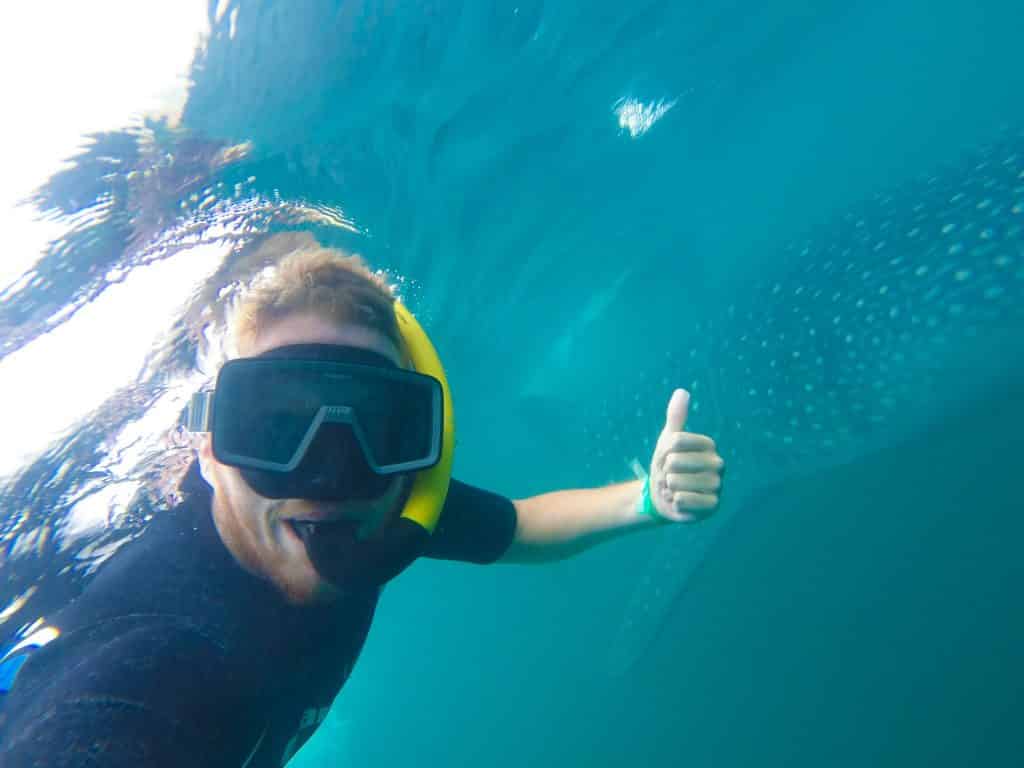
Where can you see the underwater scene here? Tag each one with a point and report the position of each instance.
(808, 215)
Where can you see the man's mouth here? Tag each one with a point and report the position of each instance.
(312, 512)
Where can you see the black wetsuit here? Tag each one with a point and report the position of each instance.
(176, 656)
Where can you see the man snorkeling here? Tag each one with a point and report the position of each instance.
(222, 635)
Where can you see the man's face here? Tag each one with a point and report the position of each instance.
(255, 528)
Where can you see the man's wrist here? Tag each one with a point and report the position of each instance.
(645, 505)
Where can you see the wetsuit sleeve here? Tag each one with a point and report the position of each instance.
(475, 526)
(147, 697)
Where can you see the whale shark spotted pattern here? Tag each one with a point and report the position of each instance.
(906, 305)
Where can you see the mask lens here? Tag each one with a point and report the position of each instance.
(399, 423)
(263, 412)
(268, 413)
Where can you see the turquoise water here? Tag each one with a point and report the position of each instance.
(820, 234)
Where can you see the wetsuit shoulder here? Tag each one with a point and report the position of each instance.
(475, 526)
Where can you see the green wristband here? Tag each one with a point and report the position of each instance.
(645, 507)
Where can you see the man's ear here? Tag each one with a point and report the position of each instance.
(204, 453)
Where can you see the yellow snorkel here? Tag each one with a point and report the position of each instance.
(430, 487)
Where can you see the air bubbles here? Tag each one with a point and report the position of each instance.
(883, 290)
(947, 228)
(955, 249)
(921, 271)
(962, 275)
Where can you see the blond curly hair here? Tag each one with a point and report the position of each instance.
(334, 285)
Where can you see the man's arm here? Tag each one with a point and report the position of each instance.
(685, 478)
(482, 527)
(560, 524)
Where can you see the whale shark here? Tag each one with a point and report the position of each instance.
(899, 309)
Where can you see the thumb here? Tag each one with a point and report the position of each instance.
(675, 414)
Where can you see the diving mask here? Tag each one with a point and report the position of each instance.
(321, 422)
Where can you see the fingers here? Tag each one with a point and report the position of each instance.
(687, 506)
(687, 473)
(690, 502)
(699, 482)
(682, 442)
(693, 462)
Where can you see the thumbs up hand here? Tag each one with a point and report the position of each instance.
(686, 470)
